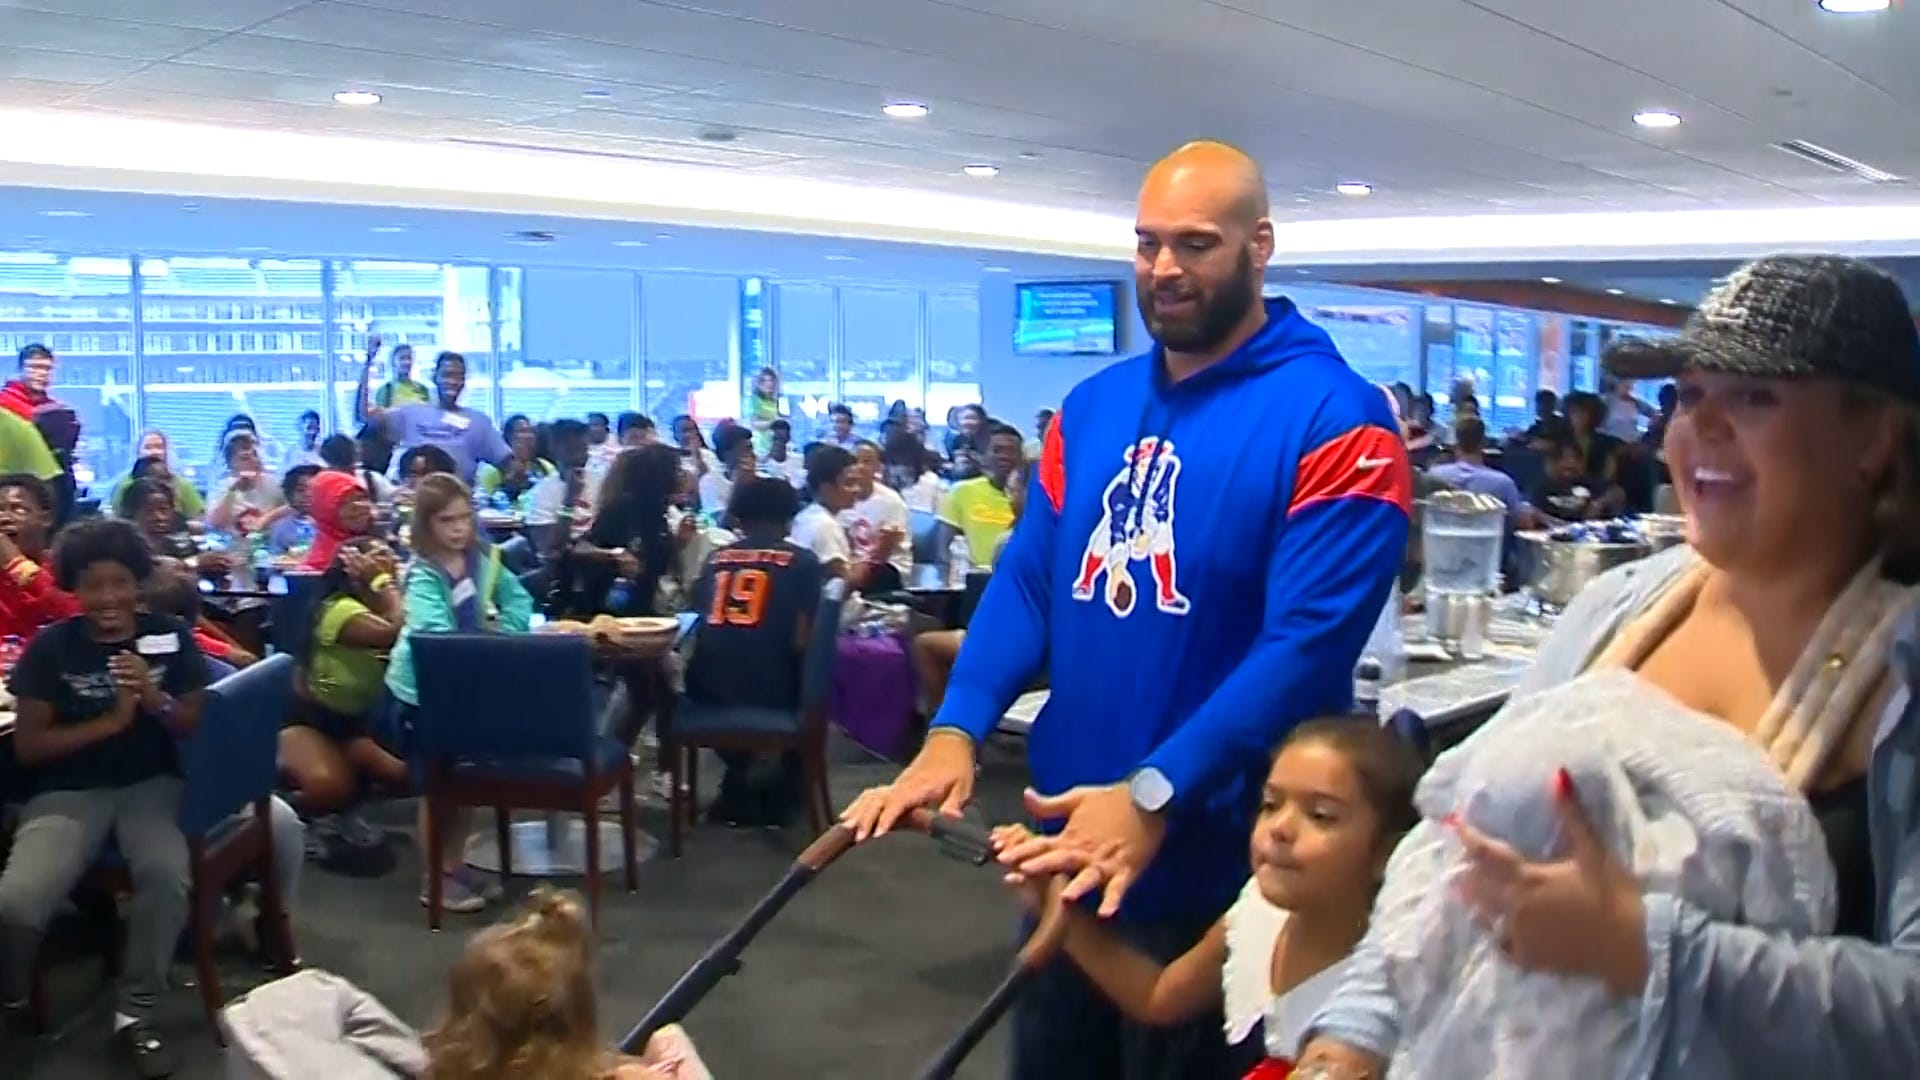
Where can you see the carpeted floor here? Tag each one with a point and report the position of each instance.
(866, 974)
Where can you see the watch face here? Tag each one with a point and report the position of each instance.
(1151, 790)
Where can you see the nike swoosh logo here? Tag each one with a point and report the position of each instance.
(1368, 464)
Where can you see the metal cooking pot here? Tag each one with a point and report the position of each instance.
(1556, 570)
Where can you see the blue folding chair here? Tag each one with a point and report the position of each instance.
(753, 729)
(508, 721)
(230, 764)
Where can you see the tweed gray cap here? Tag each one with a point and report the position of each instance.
(1792, 316)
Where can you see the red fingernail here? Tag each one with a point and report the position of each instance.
(1562, 785)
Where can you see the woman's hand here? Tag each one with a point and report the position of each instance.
(1579, 915)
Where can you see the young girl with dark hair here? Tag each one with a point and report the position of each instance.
(1338, 797)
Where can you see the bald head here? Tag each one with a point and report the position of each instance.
(1211, 177)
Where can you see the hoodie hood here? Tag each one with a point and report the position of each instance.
(326, 494)
(1285, 336)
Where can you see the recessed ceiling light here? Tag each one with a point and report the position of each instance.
(1550, 280)
(388, 229)
(981, 170)
(596, 95)
(1354, 188)
(1854, 7)
(905, 110)
(663, 236)
(1668, 300)
(630, 243)
(1029, 155)
(65, 213)
(356, 97)
(995, 270)
(1656, 118)
(1616, 292)
(837, 257)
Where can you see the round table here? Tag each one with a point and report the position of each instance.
(556, 844)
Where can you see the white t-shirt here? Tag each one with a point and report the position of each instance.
(1253, 933)
(925, 493)
(549, 496)
(815, 530)
(716, 491)
(867, 517)
(793, 469)
(264, 497)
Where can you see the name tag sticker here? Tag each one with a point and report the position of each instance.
(157, 645)
(464, 591)
(457, 422)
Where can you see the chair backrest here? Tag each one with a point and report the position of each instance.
(504, 695)
(816, 671)
(292, 612)
(232, 759)
(926, 537)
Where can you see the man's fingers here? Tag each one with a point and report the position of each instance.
(1053, 807)
(1083, 883)
(1116, 891)
(958, 796)
(1026, 848)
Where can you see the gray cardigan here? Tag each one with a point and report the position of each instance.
(1727, 1002)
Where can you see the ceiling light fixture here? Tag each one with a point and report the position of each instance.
(1669, 300)
(905, 110)
(981, 170)
(837, 257)
(1616, 292)
(66, 213)
(356, 97)
(1854, 7)
(387, 228)
(1657, 118)
(996, 270)
(1353, 188)
(630, 243)
(596, 95)
(1550, 281)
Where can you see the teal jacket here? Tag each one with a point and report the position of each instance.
(429, 600)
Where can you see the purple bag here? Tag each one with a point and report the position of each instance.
(873, 692)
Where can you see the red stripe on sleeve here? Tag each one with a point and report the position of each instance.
(1053, 465)
(1368, 462)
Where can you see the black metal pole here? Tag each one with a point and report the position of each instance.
(996, 1006)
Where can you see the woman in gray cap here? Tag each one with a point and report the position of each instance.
(1789, 616)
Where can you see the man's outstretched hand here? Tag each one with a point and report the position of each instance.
(1106, 844)
(940, 775)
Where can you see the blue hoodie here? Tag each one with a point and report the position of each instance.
(1199, 565)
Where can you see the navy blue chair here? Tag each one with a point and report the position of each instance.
(751, 729)
(507, 721)
(230, 764)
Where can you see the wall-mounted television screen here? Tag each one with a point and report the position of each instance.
(1065, 318)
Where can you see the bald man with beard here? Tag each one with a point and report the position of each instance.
(1212, 530)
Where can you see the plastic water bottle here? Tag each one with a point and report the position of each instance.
(959, 561)
(620, 596)
(1366, 688)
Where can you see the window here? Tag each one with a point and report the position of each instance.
(953, 355)
(688, 325)
(566, 342)
(1512, 390)
(82, 309)
(803, 354)
(205, 357)
(433, 307)
(879, 353)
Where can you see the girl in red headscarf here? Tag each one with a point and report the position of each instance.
(341, 511)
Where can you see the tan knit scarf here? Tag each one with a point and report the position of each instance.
(1840, 674)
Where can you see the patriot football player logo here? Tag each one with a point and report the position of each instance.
(1136, 525)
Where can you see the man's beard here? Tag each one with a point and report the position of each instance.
(1215, 317)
